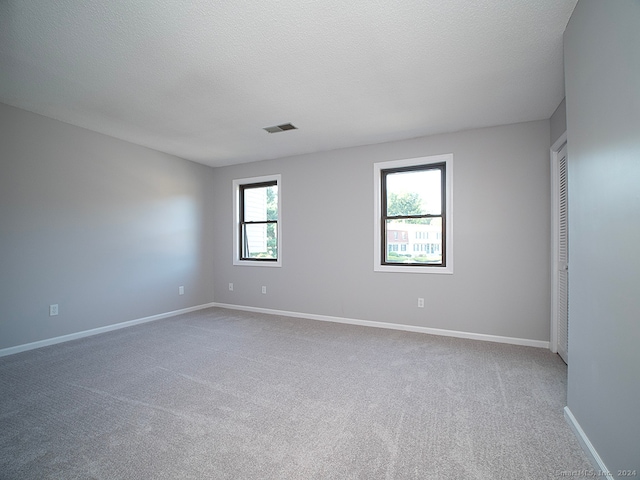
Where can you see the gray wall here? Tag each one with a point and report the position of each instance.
(602, 67)
(558, 121)
(501, 236)
(106, 229)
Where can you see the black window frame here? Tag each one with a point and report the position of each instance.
(442, 166)
(242, 244)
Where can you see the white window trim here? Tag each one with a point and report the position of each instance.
(409, 162)
(236, 220)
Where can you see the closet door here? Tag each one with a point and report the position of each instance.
(562, 293)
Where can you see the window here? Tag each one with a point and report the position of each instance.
(415, 196)
(257, 226)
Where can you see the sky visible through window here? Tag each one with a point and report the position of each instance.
(425, 183)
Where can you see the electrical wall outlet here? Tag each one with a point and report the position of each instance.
(53, 310)
(264, 290)
(420, 302)
(231, 287)
(180, 290)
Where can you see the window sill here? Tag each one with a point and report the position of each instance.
(254, 263)
(421, 270)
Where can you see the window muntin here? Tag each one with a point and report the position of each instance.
(257, 225)
(413, 200)
(413, 203)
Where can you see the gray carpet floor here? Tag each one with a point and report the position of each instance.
(223, 394)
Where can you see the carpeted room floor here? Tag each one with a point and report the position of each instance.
(224, 394)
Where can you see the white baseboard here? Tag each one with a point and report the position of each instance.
(95, 331)
(393, 326)
(587, 446)
(310, 316)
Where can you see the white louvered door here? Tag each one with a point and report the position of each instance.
(563, 258)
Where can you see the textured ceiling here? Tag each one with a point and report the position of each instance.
(200, 79)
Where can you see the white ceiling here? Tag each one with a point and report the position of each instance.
(200, 79)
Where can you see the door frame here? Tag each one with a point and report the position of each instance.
(555, 202)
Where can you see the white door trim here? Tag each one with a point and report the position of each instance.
(555, 149)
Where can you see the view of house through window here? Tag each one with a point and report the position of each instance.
(259, 221)
(413, 215)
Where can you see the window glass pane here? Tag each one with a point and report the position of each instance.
(410, 247)
(261, 203)
(414, 192)
(260, 240)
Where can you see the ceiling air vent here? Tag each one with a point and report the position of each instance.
(280, 128)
